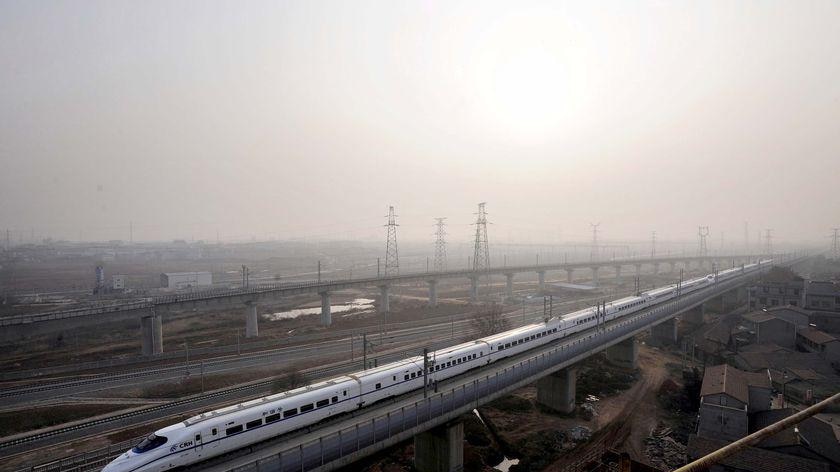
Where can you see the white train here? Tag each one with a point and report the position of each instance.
(220, 431)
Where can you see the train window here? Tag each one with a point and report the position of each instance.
(395, 378)
(413, 375)
(507, 345)
(197, 438)
(322, 403)
(272, 418)
(345, 393)
(289, 413)
(405, 377)
(419, 372)
(309, 406)
(500, 348)
(150, 443)
(378, 386)
(253, 424)
(214, 431)
(335, 399)
(233, 430)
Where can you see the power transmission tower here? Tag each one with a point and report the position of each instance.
(593, 256)
(481, 255)
(703, 232)
(768, 241)
(440, 246)
(835, 244)
(653, 245)
(392, 260)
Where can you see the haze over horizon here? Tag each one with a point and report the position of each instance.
(307, 119)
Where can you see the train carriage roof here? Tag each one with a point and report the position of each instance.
(270, 398)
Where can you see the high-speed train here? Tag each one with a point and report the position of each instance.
(220, 431)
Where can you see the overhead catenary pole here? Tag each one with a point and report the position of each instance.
(440, 245)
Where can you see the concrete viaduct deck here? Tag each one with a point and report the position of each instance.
(431, 418)
(150, 311)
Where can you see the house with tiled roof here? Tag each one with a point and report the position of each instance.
(727, 397)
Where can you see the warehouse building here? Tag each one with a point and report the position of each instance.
(182, 280)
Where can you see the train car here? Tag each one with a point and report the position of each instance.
(388, 380)
(455, 360)
(624, 306)
(521, 339)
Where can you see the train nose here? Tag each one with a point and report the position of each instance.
(120, 464)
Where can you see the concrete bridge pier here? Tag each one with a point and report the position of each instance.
(384, 299)
(326, 316)
(595, 276)
(541, 276)
(151, 333)
(618, 272)
(624, 354)
(509, 285)
(474, 288)
(433, 293)
(569, 273)
(664, 333)
(557, 391)
(638, 270)
(252, 329)
(694, 316)
(440, 449)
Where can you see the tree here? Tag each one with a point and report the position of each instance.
(489, 320)
(289, 379)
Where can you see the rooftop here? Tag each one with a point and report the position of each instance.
(816, 336)
(753, 458)
(731, 381)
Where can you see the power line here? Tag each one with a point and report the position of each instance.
(440, 246)
(392, 260)
(481, 253)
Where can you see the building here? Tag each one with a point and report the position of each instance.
(791, 314)
(779, 287)
(182, 280)
(766, 328)
(812, 438)
(727, 397)
(822, 296)
(814, 340)
(751, 459)
(118, 282)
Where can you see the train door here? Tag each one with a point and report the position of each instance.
(198, 444)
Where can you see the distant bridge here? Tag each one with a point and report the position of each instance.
(150, 310)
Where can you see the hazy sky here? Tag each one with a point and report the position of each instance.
(289, 119)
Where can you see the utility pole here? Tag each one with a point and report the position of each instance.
(835, 243)
(246, 276)
(319, 271)
(392, 260)
(425, 372)
(440, 245)
(364, 350)
(593, 255)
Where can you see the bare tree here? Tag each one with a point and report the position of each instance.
(290, 379)
(489, 320)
